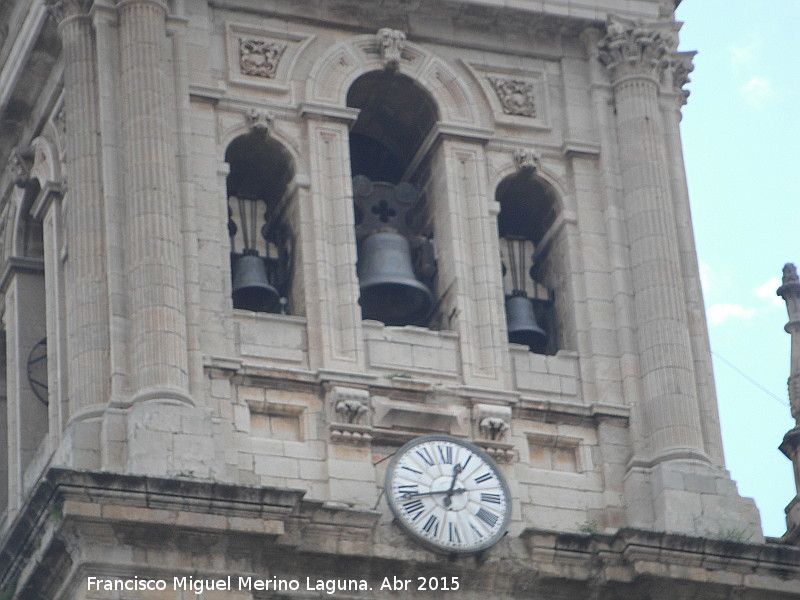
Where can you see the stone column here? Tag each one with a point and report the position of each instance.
(154, 261)
(635, 55)
(674, 98)
(790, 292)
(85, 272)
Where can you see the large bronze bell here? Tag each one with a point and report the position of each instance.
(251, 287)
(522, 325)
(389, 290)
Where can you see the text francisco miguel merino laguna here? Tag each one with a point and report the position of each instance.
(231, 583)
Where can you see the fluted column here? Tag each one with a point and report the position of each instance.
(154, 257)
(88, 337)
(635, 56)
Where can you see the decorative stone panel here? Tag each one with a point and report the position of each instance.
(262, 58)
(519, 98)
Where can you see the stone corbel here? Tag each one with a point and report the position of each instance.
(391, 43)
(527, 160)
(349, 414)
(20, 165)
(493, 424)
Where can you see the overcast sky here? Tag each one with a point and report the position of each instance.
(741, 130)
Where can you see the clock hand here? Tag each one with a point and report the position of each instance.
(453, 493)
(456, 471)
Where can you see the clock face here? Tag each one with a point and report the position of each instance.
(448, 494)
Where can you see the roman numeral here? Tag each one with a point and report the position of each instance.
(491, 498)
(407, 468)
(466, 462)
(408, 490)
(431, 525)
(475, 530)
(425, 455)
(452, 533)
(446, 454)
(489, 518)
(484, 477)
(414, 509)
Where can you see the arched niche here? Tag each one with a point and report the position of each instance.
(259, 191)
(533, 254)
(390, 151)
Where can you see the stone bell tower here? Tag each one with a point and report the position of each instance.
(276, 276)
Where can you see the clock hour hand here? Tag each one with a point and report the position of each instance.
(456, 471)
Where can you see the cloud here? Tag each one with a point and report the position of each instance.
(757, 91)
(744, 56)
(766, 291)
(719, 313)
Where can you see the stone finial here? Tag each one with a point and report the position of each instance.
(391, 43)
(260, 121)
(527, 160)
(790, 291)
(20, 167)
(632, 47)
(64, 9)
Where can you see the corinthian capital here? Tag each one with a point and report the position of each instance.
(636, 48)
(64, 9)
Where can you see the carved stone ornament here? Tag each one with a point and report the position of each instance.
(636, 48)
(260, 121)
(349, 403)
(391, 43)
(493, 428)
(20, 167)
(64, 9)
(526, 159)
(259, 58)
(516, 96)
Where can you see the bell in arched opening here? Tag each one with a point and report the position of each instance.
(391, 289)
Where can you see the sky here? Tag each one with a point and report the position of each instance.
(740, 130)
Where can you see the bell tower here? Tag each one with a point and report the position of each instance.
(311, 296)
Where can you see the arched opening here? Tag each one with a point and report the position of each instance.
(258, 190)
(389, 158)
(531, 277)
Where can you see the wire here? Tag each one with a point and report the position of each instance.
(750, 379)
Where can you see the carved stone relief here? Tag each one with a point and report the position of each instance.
(516, 96)
(259, 58)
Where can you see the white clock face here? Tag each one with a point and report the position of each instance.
(448, 494)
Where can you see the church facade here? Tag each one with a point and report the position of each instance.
(358, 299)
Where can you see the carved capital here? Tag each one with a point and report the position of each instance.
(526, 159)
(677, 72)
(391, 43)
(61, 10)
(259, 58)
(636, 48)
(260, 122)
